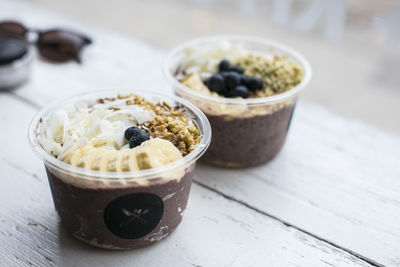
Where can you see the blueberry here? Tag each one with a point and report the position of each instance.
(224, 65)
(135, 136)
(224, 74)
(254, 83)
(226, 93)
(232, 80)
(136, 140)
(240, 90)
(132, 131)
(244, 80)
(216, 83)
(237, 69)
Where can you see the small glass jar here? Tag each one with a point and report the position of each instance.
(15, 62)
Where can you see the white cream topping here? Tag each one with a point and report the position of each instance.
(204, 59)
(93, 124)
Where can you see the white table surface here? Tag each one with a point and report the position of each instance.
(331, 197)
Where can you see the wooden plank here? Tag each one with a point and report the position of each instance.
(335, 178)
(215, 231)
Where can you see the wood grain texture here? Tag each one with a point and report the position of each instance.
(336, 178)
(215, 231)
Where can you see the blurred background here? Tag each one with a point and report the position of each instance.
(353, 45)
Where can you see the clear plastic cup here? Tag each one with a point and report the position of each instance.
(121, 210)
(246, 132)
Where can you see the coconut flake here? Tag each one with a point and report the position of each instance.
(90, 123)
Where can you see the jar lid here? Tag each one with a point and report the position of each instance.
(11, 49)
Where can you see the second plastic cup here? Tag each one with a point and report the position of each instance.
(121, 210)
(246, 132)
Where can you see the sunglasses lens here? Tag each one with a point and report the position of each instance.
(12, 29)
(61, 46)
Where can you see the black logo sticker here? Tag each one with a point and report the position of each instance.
(133, 216)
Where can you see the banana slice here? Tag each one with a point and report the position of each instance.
(100, 163)
(194, 82)
(150, 154)
(156, 153)
(89, 156)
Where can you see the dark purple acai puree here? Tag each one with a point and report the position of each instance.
(245, 133)
(110, 182)
(247, 141)
(121, 217)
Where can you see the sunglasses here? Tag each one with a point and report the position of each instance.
(55, 45)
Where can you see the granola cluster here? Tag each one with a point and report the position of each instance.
(170, 123)
(279, 74)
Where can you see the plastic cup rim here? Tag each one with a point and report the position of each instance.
(239, 39)
(131, 175)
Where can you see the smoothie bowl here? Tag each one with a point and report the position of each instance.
(247, 87)
(120, 163)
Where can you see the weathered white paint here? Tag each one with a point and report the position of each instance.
(215, 231)
(336, 178)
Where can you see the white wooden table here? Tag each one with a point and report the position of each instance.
(331, 197)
